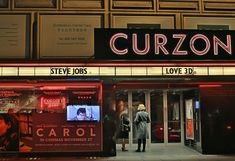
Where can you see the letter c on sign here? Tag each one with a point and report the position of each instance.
(38, 132)
(112, 43)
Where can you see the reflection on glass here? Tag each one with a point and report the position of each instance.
(174, 130)
(157, 126)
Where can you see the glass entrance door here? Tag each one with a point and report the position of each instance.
(174, 108)
(157, 123)
(166, 112)
(164, 108)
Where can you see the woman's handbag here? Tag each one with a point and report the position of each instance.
(126, 128)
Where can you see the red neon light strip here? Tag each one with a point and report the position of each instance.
(100, 95)
(209, 85)
(53, 88)
(84, 92)
(123, 63)
(50, 84)
(195, 83)
(64, 102)
(41, 103)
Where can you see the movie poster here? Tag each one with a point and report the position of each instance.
(38, 122)
(9, 99)
(9, 135)
(25, 129)
(58, 135)
(189, 119)
(18, 101)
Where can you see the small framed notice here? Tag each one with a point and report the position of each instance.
(209, 22)
(15, 36)
(67, 36)
(143, 21)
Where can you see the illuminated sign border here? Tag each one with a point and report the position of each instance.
(118, 71)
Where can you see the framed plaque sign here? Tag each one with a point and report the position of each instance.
(14, 36)
(143, 21)
(209, 22)
(67, 36)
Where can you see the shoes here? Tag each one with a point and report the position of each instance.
(139, 150)
(123, 149)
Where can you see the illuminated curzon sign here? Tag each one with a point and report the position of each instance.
(147, 44)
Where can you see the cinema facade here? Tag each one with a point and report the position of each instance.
(190, 102)
(65, 55)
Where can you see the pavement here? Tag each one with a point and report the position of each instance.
(153, 153)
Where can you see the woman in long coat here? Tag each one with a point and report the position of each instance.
(141, 120)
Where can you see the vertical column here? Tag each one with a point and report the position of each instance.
(182, 118)
(165, 116)
(148, 105)
(130, 106)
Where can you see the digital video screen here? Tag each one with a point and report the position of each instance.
(83, 113)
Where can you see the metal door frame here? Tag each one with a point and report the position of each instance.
(165, 116)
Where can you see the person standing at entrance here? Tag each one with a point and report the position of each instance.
(141, 120)
(124, 127)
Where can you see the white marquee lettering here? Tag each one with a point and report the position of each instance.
(160, 45)
(192, 47)
(177, 51)
(135, 44)
(112, 44)
(227, 48)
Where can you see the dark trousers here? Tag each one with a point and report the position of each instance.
(139, 144)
